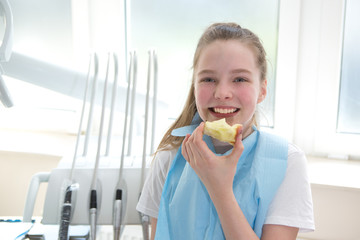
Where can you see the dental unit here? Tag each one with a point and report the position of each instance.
(69, 212)
(34, 70)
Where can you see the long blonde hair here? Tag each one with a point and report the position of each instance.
(216, 31)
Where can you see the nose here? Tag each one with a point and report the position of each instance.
(223, 91)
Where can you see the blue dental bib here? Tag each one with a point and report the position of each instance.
(186, 210)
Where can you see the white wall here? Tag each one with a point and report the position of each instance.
(15, 174)
(337, 212)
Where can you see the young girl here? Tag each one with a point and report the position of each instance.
(201, 188)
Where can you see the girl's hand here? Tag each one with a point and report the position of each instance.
(216, 172)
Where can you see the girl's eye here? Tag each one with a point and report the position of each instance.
(240, 79)
(208, 80)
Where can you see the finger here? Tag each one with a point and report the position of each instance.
(239, 130)
(198, 133)
(191, 150)
(197, 137)
(199, 148)
(238, 146)
(184, 148)
(191, 147)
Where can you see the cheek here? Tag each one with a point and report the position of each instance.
(248, 97)
(202, 96)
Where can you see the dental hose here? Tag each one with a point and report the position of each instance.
(67, 207)
(93, 207)
(118, 206)
(145, 219)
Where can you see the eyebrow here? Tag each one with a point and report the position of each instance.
(205, 71)
(241, 70)
(209, 71)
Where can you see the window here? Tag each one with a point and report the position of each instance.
(318, 127)
(349, 98)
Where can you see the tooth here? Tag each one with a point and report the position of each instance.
(224, 111)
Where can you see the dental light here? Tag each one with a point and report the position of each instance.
(5, 51)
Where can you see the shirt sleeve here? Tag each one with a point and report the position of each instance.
(151, 193)
(292, 205)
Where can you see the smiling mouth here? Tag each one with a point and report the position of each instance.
(224, 110)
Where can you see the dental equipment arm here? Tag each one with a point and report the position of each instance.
(6, 46)
(4, 92)
(5, 52)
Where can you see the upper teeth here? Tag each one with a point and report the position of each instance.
(224, 110)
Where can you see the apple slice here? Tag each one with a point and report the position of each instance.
(221, 130)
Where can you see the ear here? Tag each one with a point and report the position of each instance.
(263, 91)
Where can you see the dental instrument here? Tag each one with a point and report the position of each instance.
(67, 207)
(145, 220)
(66, 212)
(5, 52)
(118, 207)
(65, 215)
(93, 193)
(117, 218)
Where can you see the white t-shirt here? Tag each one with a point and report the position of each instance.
(292, 205)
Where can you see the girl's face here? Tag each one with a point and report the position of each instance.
(227, 83)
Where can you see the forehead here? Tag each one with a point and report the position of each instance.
(229, 54)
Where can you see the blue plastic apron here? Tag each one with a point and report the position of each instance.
(186, 210)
